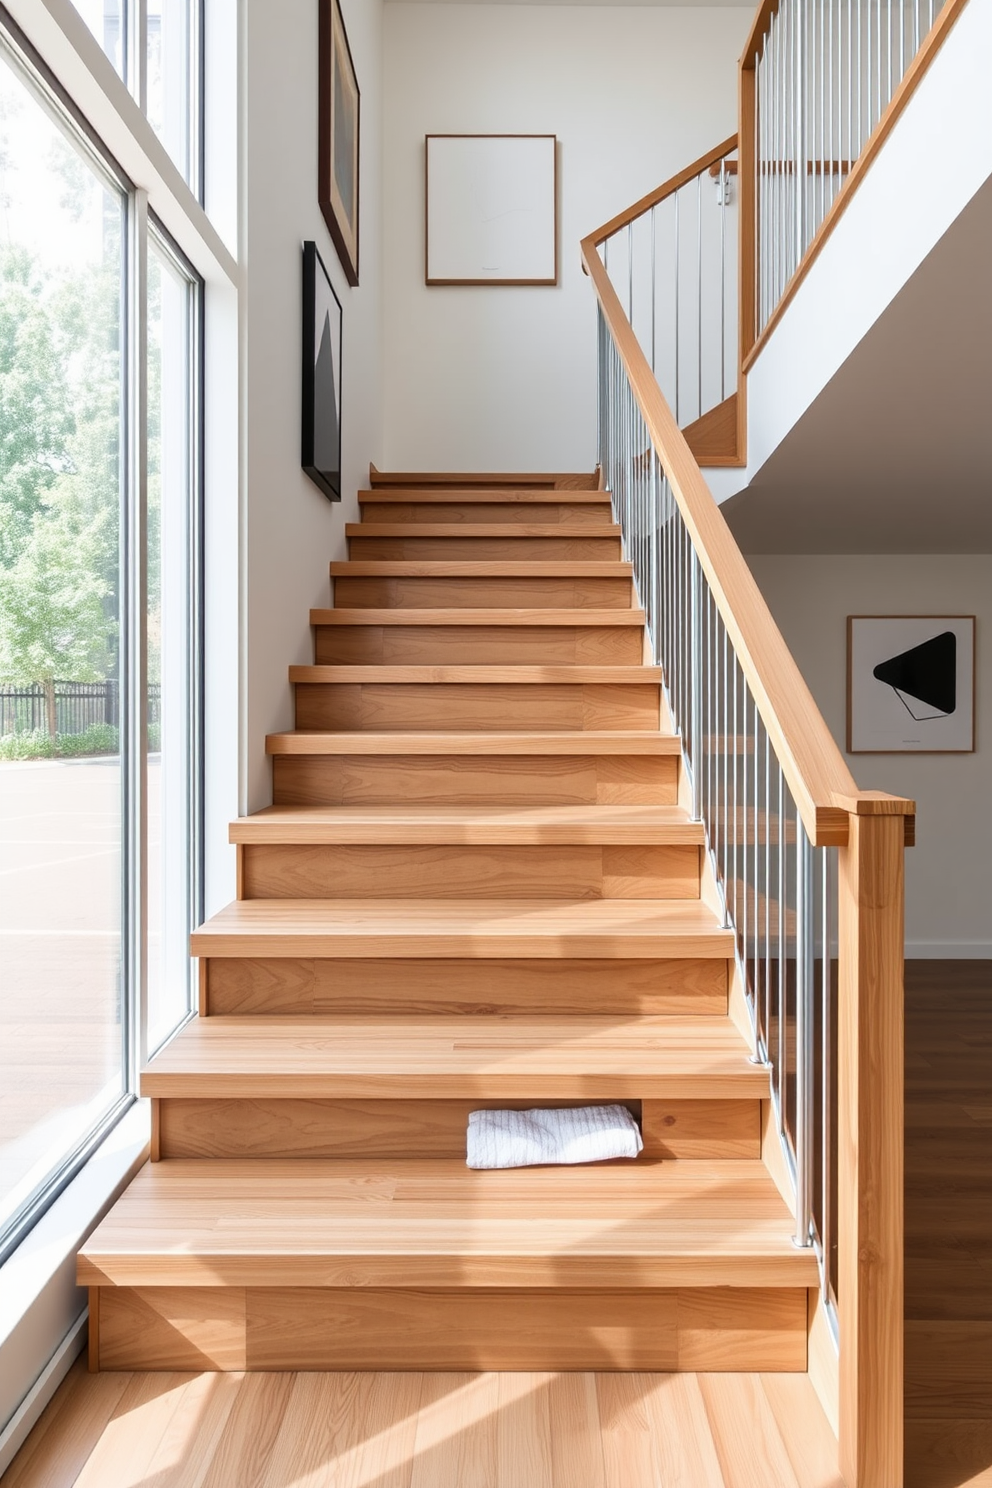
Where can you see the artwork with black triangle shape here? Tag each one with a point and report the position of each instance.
(924, 678)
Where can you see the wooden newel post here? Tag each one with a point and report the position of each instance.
(870, 1142)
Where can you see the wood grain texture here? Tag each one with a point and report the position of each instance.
(870, 1150)
(496, 744)
(487, 593)
(446, 778)
(524, 1058)
(482, 706)
(405, 1429)
(431, 1222)
(286, 985)
(320, 1128)
(436, 871)
(702, 1129)
(519, 544)
(630, 826)
(191, 1328)
(476, 645)
(579, 509)
(310, 1328)
(359, 928)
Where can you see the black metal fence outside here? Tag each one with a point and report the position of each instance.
(78, 705)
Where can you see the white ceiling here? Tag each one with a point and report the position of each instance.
(895, 456)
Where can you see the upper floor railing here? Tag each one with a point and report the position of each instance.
(822, 83)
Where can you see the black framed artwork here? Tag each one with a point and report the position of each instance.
(321, 454)
(338, 143)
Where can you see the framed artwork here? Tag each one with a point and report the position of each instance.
(321, 454)
(337, 155)
(491, 214)
(910, 684)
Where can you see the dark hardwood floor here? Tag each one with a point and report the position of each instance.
(948, 1224)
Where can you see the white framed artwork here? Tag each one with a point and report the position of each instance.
(491, 213)
(910, 684)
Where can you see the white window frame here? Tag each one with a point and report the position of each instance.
(42, 1312)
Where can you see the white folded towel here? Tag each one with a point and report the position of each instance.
(523, 1139)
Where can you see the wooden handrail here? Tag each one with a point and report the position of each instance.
(667, 188)
(818, 777)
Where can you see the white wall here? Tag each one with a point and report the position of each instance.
(503, 378)
(292, 531)
(949, 872)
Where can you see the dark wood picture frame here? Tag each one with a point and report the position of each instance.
(914, 747)
(322, 362)
(440, 280)
(338, 154)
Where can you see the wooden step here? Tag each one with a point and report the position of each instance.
(497, 744)
(473, 870)
(482, 1058)
(533, 542)
(574, 768)
(565, 619)
(589, 511)
(434, 852)
(480, 698)
(604, 929)
(431, 1222)
(307, 986)
(464, 584)
(291, 1126)
(408, 638)
(517, 676)
(536, 825)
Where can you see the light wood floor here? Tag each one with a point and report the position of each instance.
(429, 1431)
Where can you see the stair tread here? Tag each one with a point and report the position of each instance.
(479, 568)
(597, 928)
(609, 531)
(485, 495)
(432, 1221)
(469, 824)
(623, 741)
(619, 676)
(485, 1057)
(505, 617)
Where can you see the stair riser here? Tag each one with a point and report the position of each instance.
(507, 780)
(194, 1128)
(498, 549)
(309, 1328)
(483, 593)
(512, 513)
(484, 707)
(439, 871)
(478, 645)
(294, 986)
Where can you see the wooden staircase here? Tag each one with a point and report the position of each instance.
(478, 885)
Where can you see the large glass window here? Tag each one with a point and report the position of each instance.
(166, 81)
(99, 743)
(63, 948)
(172, 527)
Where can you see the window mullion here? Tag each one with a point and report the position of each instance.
(135, 561)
